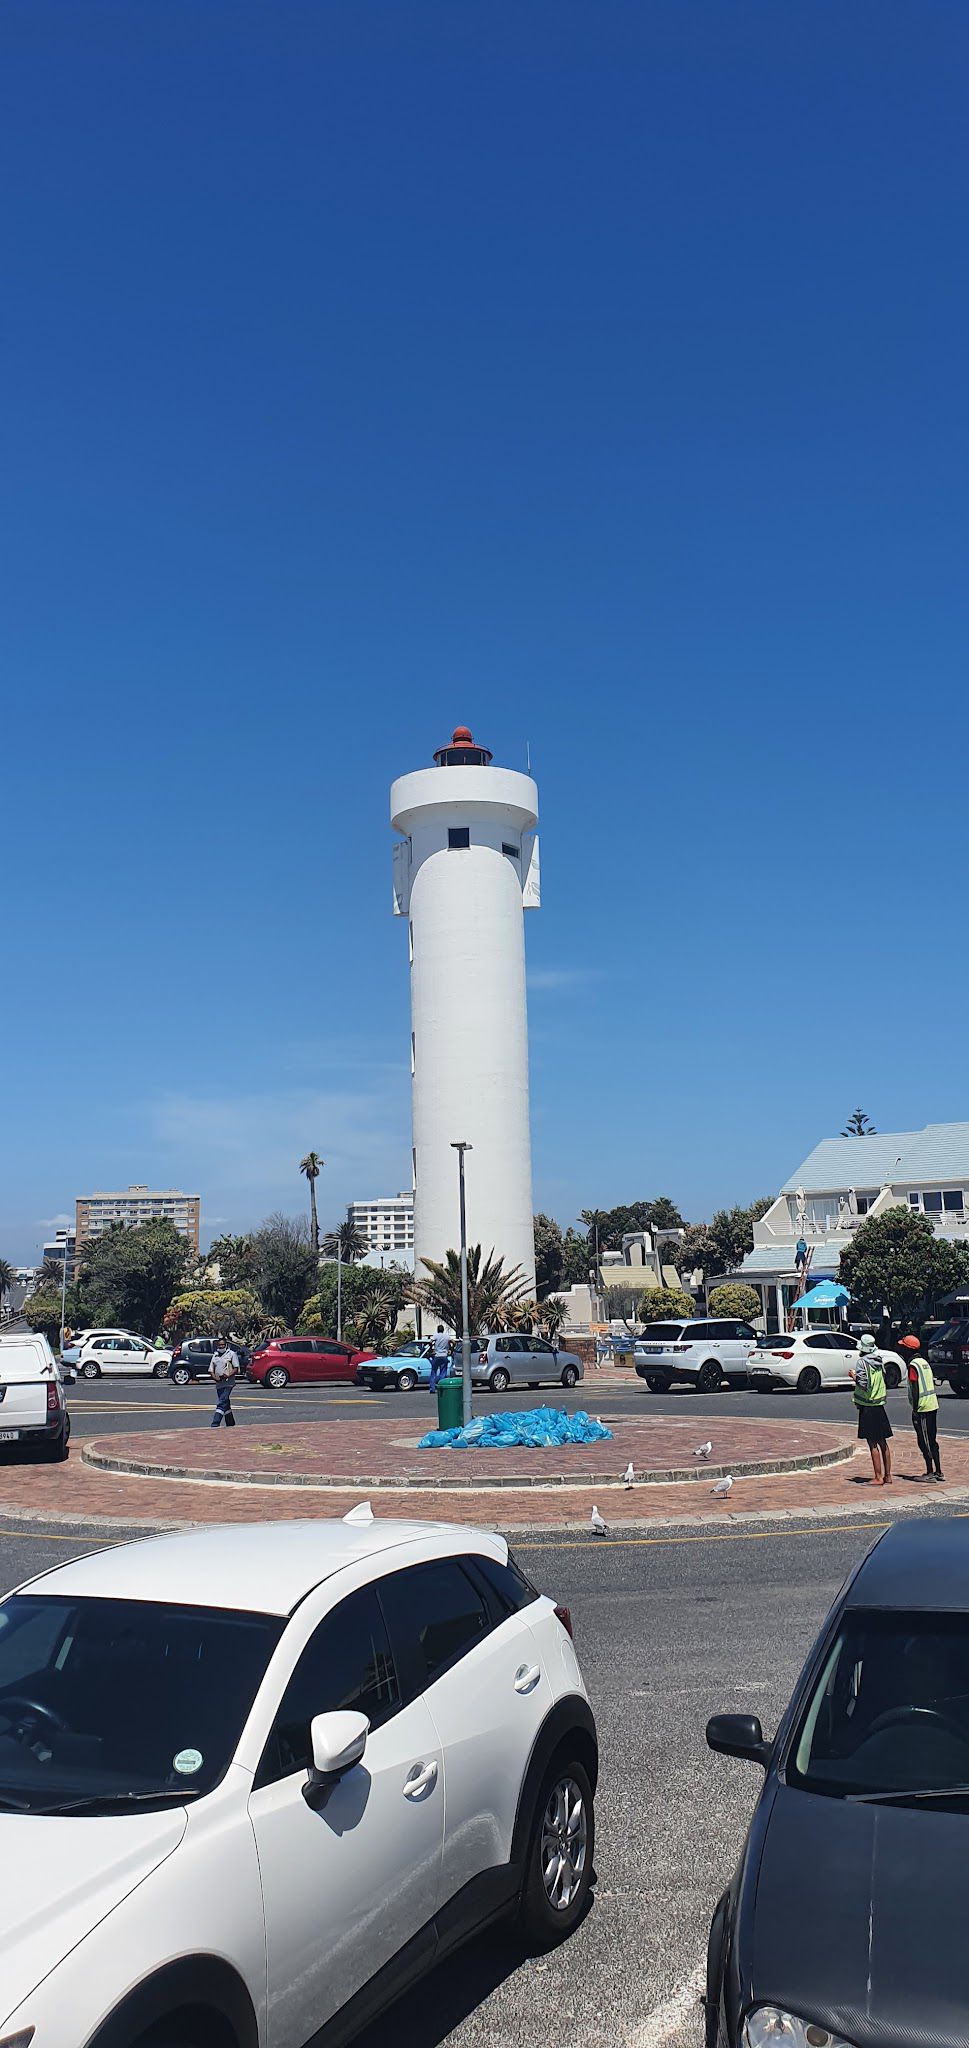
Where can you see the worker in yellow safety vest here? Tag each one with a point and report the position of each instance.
(874, 1427)
(925, 1405)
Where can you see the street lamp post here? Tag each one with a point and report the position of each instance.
(460, 1146)
(63, 1292)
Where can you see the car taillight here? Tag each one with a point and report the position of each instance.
(53, 1397)
(564, 1615)
(782, 1354)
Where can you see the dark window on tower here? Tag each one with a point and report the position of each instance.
(459, 835)
(512, 851)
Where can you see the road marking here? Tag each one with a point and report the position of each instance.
(44, 1536)
(719, 1536)
(666, 2022)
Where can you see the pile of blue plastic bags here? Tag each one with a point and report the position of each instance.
(535, 1429)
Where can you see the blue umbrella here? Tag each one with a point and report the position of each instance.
(827, 1294)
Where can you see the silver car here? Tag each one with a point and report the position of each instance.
(500, 1362)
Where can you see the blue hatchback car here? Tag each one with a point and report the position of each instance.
(407, 1368)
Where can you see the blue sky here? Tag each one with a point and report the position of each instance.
(594, 374)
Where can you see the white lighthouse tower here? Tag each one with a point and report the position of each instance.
(464, 870)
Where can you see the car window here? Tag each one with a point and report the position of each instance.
(300, 1344)
(745, 1330)
(544, 1350)
(508, 1587)
(840, 1341)
(888, 1710)
(722, 1332)
(331, 1350)
(662, 1333)
(819, 1342)
(435, 1615)
(347, 1663)
(699, 1333)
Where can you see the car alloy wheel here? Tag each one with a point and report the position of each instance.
(657, 1383)
(277, 1376)
(160, 1371)
(565, 1843)
(499, 1380)
(708, 1377)
(407, 1380)
(181, 1376)
(569, 1376)
(90, 1370)
(809, 1380)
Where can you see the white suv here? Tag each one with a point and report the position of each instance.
(702, 1353)
(253, 1782)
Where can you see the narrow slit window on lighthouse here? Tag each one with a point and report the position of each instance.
(458, 836)
(413, 1053)
(513, 852)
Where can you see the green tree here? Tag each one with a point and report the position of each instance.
(736, 1299)
(549, 1254)
(491, 1290)
(663, 1214)
(576, 1263)
(42, 1311)
(7, 1278)
(896, 1261)
(550, 1316)
(285, 1265)
(128, 1275)
(357, 1283)
(234, 1257)
(204, 1311)
(351, 1242)
(311, 1165)
(859, 1126)
(697, 1248)
(663, 1304)
(732, 1231)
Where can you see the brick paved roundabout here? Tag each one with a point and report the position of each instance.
(293, 1471)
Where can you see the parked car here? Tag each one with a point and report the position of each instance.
(283, 1769)
(305, 1359)
(837, 1927)
(191, 1360)
(948, 1355)
(33, 1408)
(508, 1360)
(407, 1368)
(700, 1353)
(119, 1351)
(811, 1359)
(70, 1353)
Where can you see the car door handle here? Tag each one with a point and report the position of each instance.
(527, 1677)
(420, 1780)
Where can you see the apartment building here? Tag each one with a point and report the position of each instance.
(386, 1225)
(95, 1213)
(59, 1247)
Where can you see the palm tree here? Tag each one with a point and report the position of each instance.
(551, 1315)
(311, 1167)
(492, 1292)
(7, 1278)
(859, 1126)
(349, 1241)
(375, 1311)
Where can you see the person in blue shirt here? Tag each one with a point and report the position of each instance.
(440, 1356)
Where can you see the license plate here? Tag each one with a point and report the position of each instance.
(652, 1350)
(9, 1436)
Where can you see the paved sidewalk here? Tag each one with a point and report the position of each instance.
(359, 1452)
(79, 1493)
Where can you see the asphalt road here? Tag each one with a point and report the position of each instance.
(98, 1407)
(668, 1629)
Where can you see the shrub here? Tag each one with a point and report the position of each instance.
(204, 1311)
(660, 1304)
(736, 1299)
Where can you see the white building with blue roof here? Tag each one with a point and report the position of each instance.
(840, 1183)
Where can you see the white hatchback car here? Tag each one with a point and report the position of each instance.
(253, 1782)
(119, 1351)
(812, 1359)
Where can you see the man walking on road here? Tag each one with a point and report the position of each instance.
(224, 1370)
(925, 1406)
(440, 1356)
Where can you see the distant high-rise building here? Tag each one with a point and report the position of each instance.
(386, 1225)
(97, 1212)
(62, 1246)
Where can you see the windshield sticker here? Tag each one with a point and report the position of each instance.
(188, 1761)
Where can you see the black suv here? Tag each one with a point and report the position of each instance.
(948, 1354)
(192, 1358)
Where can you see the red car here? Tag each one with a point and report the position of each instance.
(303, 1359)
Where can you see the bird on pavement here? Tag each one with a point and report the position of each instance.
(628, 1476)
(722, 1488)
(703, 1450)
(596, 1523)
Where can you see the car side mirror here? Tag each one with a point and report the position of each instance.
(739, 1735)
(337, 1741)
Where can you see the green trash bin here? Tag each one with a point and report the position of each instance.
(450, 1403)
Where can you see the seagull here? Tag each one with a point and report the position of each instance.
(722, 1488)
(703, 1450)
(363, 1512)
(596, 1523)
(628, 1476)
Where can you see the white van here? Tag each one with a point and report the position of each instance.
(33, 1409)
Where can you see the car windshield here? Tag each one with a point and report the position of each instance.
(661, 1333)
(889, 1714)
(776, 1342)
(113, 1702)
